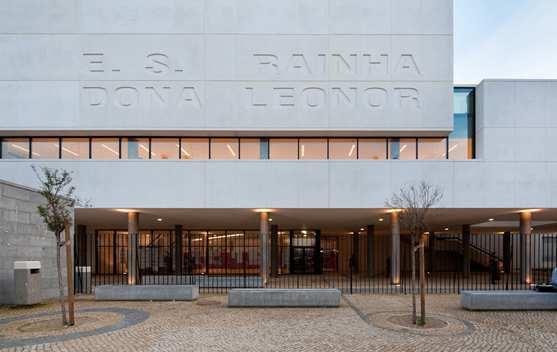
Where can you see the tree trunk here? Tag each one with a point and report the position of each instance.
(422, 280)
(413, 284)
(69, 274)
(60, 282)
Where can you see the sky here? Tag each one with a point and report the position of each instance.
(505, 39)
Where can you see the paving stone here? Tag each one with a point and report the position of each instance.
(354, 326)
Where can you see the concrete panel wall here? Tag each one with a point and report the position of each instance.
(380, 66)
(298, 184)
(516, 120)
(23, 236)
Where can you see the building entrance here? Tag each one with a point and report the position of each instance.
(305, 252)
(303, 260)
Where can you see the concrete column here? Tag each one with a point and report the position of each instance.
(318, 256)
(395, 248)
(178, 230)
(525, 232)
(507, 252)
(274, 250)
(356, 251)
(81, 245)
(263, 242)
(369, 250)
(133, 233)
(466, 250)
(431, 252)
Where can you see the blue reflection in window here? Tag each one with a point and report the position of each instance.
(462, 139)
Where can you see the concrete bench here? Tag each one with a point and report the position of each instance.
(146, 293)
(508, 300)
(269, 297)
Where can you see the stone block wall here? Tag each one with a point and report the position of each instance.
(24, 236)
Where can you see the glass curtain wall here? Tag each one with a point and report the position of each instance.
(462, 139)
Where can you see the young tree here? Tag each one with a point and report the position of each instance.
(414, 202)
(57, 213)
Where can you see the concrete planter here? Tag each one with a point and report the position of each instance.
(146, 293)
(284, 298)
(508, 300)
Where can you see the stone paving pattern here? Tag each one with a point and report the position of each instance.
(358, 325)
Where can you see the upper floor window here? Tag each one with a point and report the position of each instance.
(194, 148)
(372, 148)
(45, 148)
(432, 148)
(15, 148)
(165, 148)
(225, 148)
(75, 148)
(402, 148)
(250, 148)
(105, 148)
(283, 148)
(313, 149)
(343, 148)
(135, 148)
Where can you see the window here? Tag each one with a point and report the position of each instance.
(135, 148)
(224, 148)
(283, 148)
(343, 149)
(105, 148)
(45, 148)
(402, 148)
(313, 149)
(75, 148)
(432, 148)
(164, 148)
(372, 149)
(461, 140)
(195, 148)
(15, 148)
(250, 148)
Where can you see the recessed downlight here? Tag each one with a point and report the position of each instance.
(159, 219)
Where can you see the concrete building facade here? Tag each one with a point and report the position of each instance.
(212, 115)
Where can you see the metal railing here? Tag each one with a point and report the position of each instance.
(220, 260)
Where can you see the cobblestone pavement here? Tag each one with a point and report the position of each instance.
(360, 324)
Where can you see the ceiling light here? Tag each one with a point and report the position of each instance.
(529, 210)
(126, 210)
(304, 232)
(446, 229)
(231, 150)
(70, 151)
(270, 219)
(109, 149)
(19, 147)
(362, 229)
(491, 219)
(380, 219)
(159, 219)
